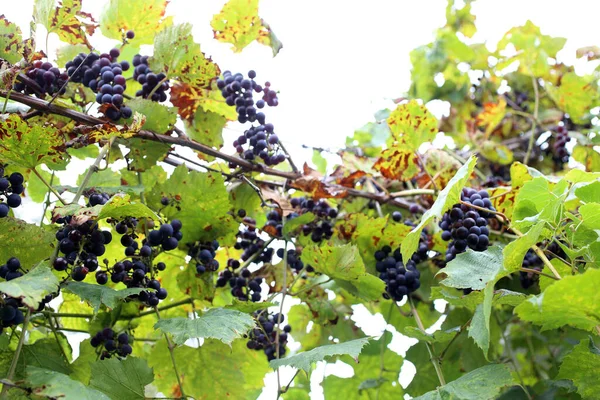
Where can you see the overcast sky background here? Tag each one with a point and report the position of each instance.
(341, 62)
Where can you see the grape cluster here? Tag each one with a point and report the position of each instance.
(48, 77)
(560, 154)
(96, 199)
(264, 337)
(262, 142)
(10, 313)
(11, 188)
(167, 236)
(242, 285)
(113, 344)
(531, 261)
(104, 76)
(293, 260)
(322, 227)
(153, 86)
(10, 270)
(204, 255)
(81, 246)
(400, 279)
(238, 92)
(465, 226)
(249, 241)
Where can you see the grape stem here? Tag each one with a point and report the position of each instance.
(279, 315)
(461, 330)
(540, 254)
(424, 167)
(49, 186)
(93, 168)
(533, 120)
(289, 157)
(47, 202)
(434, 361)
(15, 360)
(171, 347)
(535, 271)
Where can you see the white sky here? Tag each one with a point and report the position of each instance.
(344, 60)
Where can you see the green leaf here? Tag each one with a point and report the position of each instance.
(248, 307)
(29, 145)
(217, 323)
(484, 383)
(240, 370)
(159, 118)
(144, 154)
(243, 196)
(45, 382)
(539, 200)
(435, 337)
(589, 193)
(571, 301)
(28, 242)
(238, 23)
(474, 269)
(32, 287)
(204, 205)
(305, 360)
(10, 41)
(207, 128)
(319, 161)
(46, 353)
(344, 264)
(119, 207)
(121, 379)
(581, 366)
(575, 95)
(515, 251)
(97, 295)
(144, 17)
(36, 189)
(176, 53)
(82, 365)
(295, 224)
(449, 196)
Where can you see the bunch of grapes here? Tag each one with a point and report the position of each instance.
(264, 337)
(242, 285)
(48, 77)
(293, 260)
(465, 226)
(558, 149)
(204, 255)
(96, 199)
(113, 344)
(249, 241)
(262, 142)
(81, 246)
(104, 76)
(400, 279)
(167, 236)
(154, 86)
(533, 261)
(10, 313)
(322, 227)
(10, 270)
(11, 188)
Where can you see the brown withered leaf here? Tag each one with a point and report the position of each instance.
(350, 180)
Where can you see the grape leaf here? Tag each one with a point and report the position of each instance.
(218, 323)
(248, 307)
(159, 118)
(28, 242)
(33, 286)
(474, 269)
(243, 196)
(45, 382)
(238, 23)
(515, 251)
(484, 383)
(119, 207)
(144, 154)
(295, 224)
(29, 145)
(575, 95)
(369, 378)
(571, 301)
(204, 204)
(435, 337)
(46, 353)
(66, 20)
(143, 17)
(539, 200)
(581, 366)
(10, 41)
(240, 370)
(206, 128)
(97, 295)
(305, 359)
(344, 264)
(449, 196)
(588, 193)
(176, 53)
(36, 189)
(121, 379)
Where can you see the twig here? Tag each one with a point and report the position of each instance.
(280, 314)
(15, 360)
(426, 171)
(287, 387)
(289, 157)
(170, 347)
(533, 121)
(535, 271)
(49, 186)
(461, 330)
(434, 361)
(93, 168)
(47, 202)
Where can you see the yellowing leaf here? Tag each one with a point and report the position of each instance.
(10, 40)
(238, 23)
(143, 17)
(491, 115)
(575, 95)
(66, 20)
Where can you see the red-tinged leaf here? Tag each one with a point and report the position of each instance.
(398, 163)
(491, 115)
(188, 98)
(350, 180)
(10, 41)
(66, 20)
